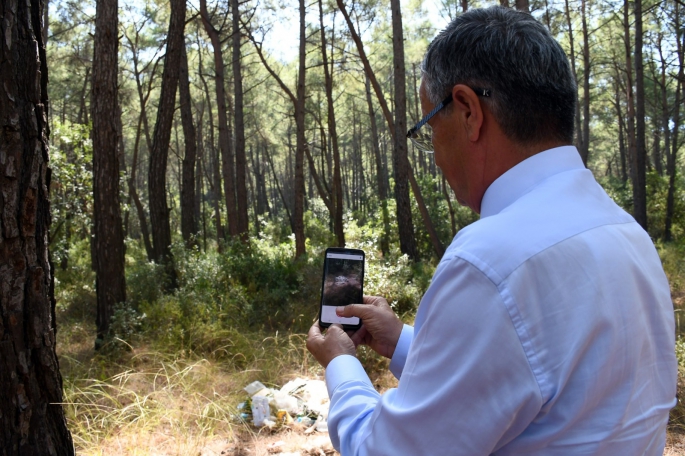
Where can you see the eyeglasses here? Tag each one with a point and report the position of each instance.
(423, 140)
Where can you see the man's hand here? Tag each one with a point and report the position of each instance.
(381, 328)
(333, 343)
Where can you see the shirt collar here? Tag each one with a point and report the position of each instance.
(517, 181)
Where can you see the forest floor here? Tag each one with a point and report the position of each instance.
(145, 402)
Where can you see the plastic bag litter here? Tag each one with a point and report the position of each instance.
(254, 387)
(305, 402)
(284, 401)
(260, 410)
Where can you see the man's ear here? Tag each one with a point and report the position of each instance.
(468, 109)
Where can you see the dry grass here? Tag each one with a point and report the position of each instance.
(154, 401)
(144, 401)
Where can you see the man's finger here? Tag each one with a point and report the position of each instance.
(354, 310)
(358, 336)
(314, 332)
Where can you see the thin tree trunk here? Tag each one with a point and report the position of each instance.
(133, 193)
(585, 141)
(665, 111)
(108, 229)
(298, 212)
(572, 55)
(401, 164)
(240, 159)
(198, 168)
(673, 156)
(82, 116)
(188, 220)
(380, 175)
(630, 130)
(621, 129)
(640, 158)
(333, 133)
(449, 206)
(278, 187)
(159, 211)
(298, 101)
(33, 421)
(224, 132)
(215, 186)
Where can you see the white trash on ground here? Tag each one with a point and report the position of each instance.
(301, 401)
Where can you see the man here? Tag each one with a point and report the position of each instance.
(548, 326)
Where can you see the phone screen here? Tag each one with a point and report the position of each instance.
(342, 285)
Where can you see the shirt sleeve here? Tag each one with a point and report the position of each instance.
(399, 357)
(466, 388)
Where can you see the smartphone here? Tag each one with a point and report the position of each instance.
(342, 284)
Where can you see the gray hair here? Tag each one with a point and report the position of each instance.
(533, 91)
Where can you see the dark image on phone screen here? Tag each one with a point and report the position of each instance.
(343, 284)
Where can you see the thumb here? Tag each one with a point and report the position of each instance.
(336, 328)
(352, 310)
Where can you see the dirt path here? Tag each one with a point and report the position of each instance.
(283, 443)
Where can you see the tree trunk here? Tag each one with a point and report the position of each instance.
(215, 181)
(31, 418)
(240, 159)
(298, 211)
(621, 129)
(572, 56)
(199, 196)
(159, 211)
(188, 220)
(445, 192)
(298, 101)
(400, 159)
(665, 111)
(640, 158)
(630, 130)
(224, 132)
(585, 141)
(404, 226)
(108, 232)
(333, 133)
(380, 175)
(133, 193)
(672, 157)
(522, 5)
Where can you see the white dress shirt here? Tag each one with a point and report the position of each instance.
(547, 330)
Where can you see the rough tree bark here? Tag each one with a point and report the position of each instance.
(31, 420)
(188, 220)
(159, 211)
(109, 233)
